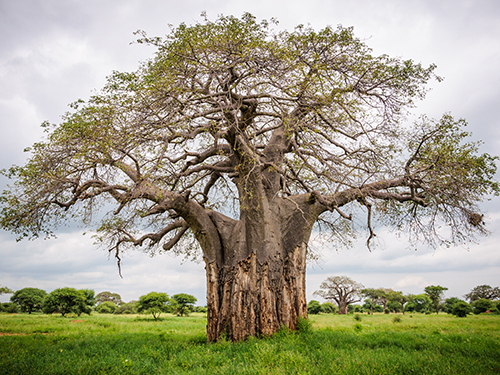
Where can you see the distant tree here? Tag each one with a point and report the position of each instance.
(89, 301)
(106, 307)
(460, 308)
(5, 290)
(184, 303)
(200, 309)
(69, 300)
(127, 308)
(341, 290)
(154, 303)
(418, 302)
(108, 297)
(313, 307)
(399, 298)
(29, 299)
(9, 307)
(329, 308)
(435, 293)
(394, 306)
(483, 291)
(482, 305)
(372, 297)
(449, 302)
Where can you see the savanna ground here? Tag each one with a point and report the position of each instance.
(108, 344)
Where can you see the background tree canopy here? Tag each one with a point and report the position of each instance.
(245, 138)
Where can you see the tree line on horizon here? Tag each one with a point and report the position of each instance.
(342, 295)
(84, 301)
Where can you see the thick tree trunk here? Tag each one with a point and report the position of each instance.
(342, 308)
(253, 298)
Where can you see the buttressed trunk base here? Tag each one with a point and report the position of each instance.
(254, 299)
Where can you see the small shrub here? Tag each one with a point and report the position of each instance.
(386, 311)
(357, 317)
(397, 319)
(358, 327)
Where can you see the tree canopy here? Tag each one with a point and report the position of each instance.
(435, 293)
(340, 289)
(184, 303)
(29, 299)
(107, 296)
(316, 112)
(244, 138)
(154, 303)
(483, 291)
(69, 300)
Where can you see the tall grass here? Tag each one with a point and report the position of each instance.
(106, 344)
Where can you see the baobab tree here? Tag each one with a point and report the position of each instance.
(241, 138)
(342, 290)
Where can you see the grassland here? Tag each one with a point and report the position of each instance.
(107, 344)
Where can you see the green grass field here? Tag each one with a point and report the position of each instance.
(108, 344)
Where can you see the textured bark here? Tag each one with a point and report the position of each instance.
(252, 299)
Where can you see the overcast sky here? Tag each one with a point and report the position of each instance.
(53, 52)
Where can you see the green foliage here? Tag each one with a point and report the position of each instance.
(482, 305)
(397, 319)
(106, 307)
(460, 309)
(394, 306)
(449, 302)
(106, 296)
(5, 290)
(29, 299)
(69, 301)
(10, 307)
(200, 309)
(313, 307)
(357, 317)
(154, 303)
(127, 308)
(373, 297)
(418, 303)
(435, 293)
(483, 291)
(328, 308)
(184, 304)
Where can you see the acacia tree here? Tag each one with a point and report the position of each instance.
(243, 138)
(184, 303)
(373, 296)
(435, 293)
(341, 289)
(155, 303)
(29, 299)
(398, 297)
(69, 300)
